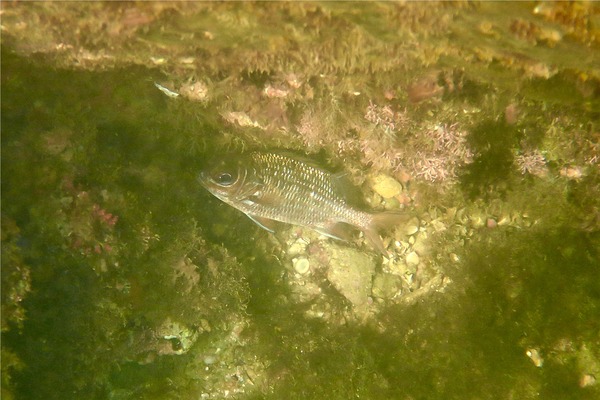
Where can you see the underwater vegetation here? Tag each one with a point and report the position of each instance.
(122, 277)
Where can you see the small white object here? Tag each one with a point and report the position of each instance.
(301, 265)
(166, 91)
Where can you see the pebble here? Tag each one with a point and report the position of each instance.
(438, 225)
(420, 244)
(386, 186)
(412, 227)
(476, 221)
(386, 286)
(412, 258)
(535, 357)
(298, 247)
(504, 221)
(301, 265)
(587, 380)
(209, 359)
(572, 172)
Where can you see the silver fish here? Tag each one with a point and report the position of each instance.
(271, 187)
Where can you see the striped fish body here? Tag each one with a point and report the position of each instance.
(275, 187)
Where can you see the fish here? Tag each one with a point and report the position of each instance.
(272, 187)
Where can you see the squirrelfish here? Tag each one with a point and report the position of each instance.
(270, 187)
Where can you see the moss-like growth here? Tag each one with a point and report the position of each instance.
(122, 278)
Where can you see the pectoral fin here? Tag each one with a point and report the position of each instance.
(266, 199)
(265, 223)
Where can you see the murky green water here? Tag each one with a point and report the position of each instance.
(123, 278)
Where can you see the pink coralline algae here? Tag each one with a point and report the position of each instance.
(104, 216)
(432, 168)
(88, 226)
(531, 162)
(311, 131)
(440, 160)
(385, 118)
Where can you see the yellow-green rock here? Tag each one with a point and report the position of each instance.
(386, 186)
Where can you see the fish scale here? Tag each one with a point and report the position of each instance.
(309, 191)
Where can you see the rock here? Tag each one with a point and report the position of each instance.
(386, 286)
(350, 272)
(177, 338)
(420, 245)
(587, 380)
(412, 227)
(535, 357)
(400, 268)
(386, 186)
(305, 291)
(297, 248)
(477, 220)
(438, 225)
(412, 258)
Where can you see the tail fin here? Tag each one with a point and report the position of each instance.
(381, 222)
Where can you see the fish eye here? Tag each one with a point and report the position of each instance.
(224, 178)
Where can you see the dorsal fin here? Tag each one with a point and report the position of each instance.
(302, 157)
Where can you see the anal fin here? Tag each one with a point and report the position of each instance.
(338, 230)
(383, 221)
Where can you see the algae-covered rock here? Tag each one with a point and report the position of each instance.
(386, 286)
(122, 279)
(412, 258)
(386, 186)
(350, 272)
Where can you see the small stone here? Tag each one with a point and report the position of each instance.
(398, 268)
(412, 258)
(209, 359)
(420, 245)
(587, 380)
(296, 248)
(504, 221)
(403, 176)
(572, 172)
(205, 325)
(301, 265)
(391, 204)
(412, 227)
(476, 220)
(386, 186)
(438, 225)
(535, 356)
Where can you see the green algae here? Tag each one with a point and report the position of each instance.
(122, 278)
